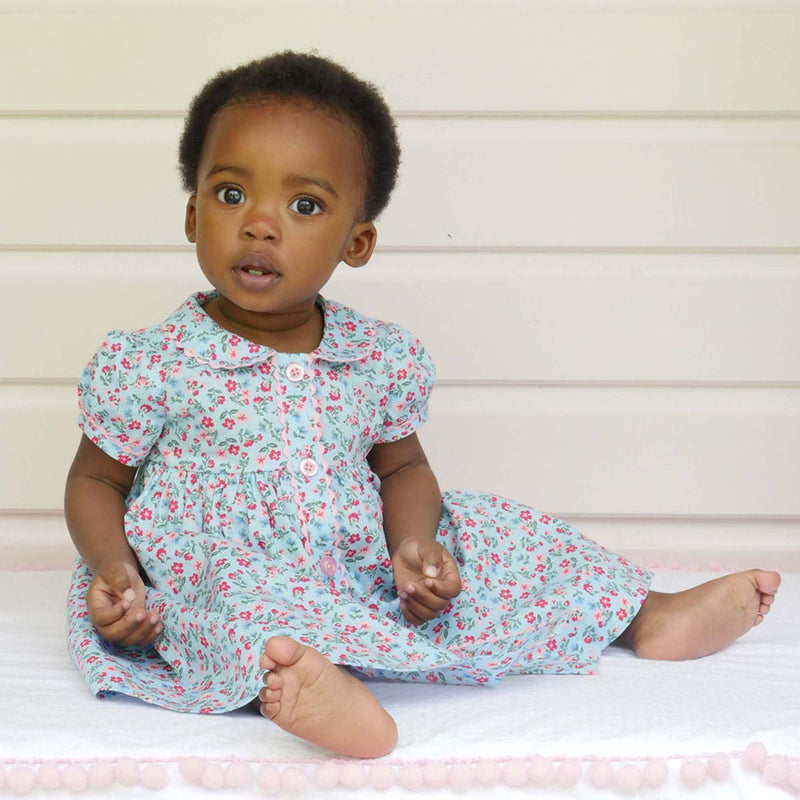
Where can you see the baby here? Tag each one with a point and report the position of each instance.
(256, 518)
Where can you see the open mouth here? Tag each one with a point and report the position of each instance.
(256, 265)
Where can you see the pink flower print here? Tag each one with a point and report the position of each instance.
(207, 422)
(230, 385)
(622, 614)
(552, 645)
(177, 568)
(228, 423)
(545, 519)
(161, 554)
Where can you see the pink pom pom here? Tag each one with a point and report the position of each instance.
(487, 772)
(629, 779)
(20, 780)
(126, 771)
(294, 781)
(540, 771)
(326, 775)
(192, 768)
(100, 774)
(238, 774)
(213, 777)
(75, 778)
(775, 770)
(154, 777)
(352, 776)
(655, 773)
(48, 776)
(515, 773)
(434, 774)
(409, 777)
(269, 779)
(693, 773)
(381, 776)
(719, 766)
(568, 772)
(461, 776)
(755, 754)
(601, 774)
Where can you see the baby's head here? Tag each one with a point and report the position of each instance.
(310, 79)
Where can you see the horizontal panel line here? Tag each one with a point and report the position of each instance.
(506, 384)
(458, 114)
(567, 515)
(417, 249)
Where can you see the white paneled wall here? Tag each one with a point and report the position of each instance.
(596, 233)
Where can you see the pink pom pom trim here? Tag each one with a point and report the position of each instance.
(625, 776)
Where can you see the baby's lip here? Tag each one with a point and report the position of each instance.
(255, 261)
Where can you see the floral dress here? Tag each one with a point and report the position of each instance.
(254, 513)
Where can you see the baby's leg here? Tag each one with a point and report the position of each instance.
(701, 620)
(310, 697)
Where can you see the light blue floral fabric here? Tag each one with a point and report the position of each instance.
(254, 513)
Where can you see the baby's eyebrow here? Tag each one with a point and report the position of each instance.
(299, 180)
(226, 168)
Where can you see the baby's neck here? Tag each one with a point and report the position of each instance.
(292, 332)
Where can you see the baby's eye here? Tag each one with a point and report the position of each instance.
(231, 196)
(305, 206)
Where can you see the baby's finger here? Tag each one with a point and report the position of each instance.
(134, 627)
(424, 610)
(410, 616)
(143, 632)
(104, 615)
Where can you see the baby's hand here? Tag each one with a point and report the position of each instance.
(427, 578)
(116, 603)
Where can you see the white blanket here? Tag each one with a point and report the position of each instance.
(633, 712)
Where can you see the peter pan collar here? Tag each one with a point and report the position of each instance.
(347, 336)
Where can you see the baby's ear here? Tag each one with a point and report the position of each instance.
(190, 225)
(362, 243)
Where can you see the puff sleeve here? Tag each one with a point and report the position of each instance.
(410, 375)
(121, 400)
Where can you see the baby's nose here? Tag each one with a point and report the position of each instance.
(261, 226)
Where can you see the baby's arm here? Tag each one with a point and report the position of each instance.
(426, 574)
(94, 505)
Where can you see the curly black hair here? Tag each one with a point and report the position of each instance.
(319, 81)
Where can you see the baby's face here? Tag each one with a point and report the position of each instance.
(280, 189)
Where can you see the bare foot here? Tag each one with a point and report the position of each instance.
(701, 620)
(310, 697)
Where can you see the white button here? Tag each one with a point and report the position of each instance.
(295, 372)
(308, 467)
